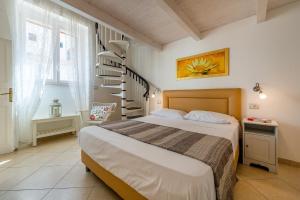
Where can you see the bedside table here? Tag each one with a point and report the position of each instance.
(260, 144)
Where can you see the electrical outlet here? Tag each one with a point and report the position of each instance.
(253, 106)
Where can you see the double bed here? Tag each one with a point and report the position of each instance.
(137, 170)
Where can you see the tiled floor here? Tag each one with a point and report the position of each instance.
(53, 171)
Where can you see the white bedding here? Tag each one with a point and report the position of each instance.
(154, 172)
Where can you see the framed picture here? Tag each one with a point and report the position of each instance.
(210, 64)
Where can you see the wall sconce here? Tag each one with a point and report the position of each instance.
(257, 88)
(155, 92)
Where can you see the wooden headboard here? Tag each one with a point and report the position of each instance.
(227, 101)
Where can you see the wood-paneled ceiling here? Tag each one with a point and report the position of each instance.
(158, 22)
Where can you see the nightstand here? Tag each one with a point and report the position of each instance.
(260, 144)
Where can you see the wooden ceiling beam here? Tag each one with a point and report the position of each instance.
(261, 10)
(176, 13)
(110, 20)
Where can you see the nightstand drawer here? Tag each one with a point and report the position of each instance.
(260, 147)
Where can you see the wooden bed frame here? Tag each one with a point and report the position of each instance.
(227, 101)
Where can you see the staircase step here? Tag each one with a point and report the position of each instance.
(111, 68)
(119, 94)
(121, 44)
(110, 77)
(112, 65)
(134, 108)
(110, 55)
(134, 116)
(119, 86)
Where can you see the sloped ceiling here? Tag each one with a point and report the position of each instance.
(165, 21)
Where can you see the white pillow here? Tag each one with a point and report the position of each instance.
(209, 117)
(169, 113)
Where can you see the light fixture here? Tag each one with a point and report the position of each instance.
(258, 89)
(156, 91)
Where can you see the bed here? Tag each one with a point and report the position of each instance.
(136, 170)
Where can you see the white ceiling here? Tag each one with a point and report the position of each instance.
(162, 25)
(145, 16)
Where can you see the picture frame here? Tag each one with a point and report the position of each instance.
(205, 65)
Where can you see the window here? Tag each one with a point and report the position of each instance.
(65, 65)
(34, 45)
(62, 65)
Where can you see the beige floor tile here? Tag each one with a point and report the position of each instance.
(37, 159)
(77, 177)
(103, 192)
(275, 189)
(290, 174)
(66, 158)
(58, 148)
(30, 149)
(2, 168)
(247, 172)
(24, 195)
(74, 148)
(68, 194)
(12, 176)
(244, 191)
(11, 159)
(43, 178)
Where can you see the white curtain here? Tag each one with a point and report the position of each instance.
(82, 60)
(30, 66)
(33, 62)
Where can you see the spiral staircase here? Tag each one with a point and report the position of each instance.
(116, 75)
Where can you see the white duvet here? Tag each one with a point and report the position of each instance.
(154, 172)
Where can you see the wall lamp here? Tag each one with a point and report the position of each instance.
(258, 89)
(155, 92)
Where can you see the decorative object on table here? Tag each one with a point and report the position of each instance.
(55, 108)
(260, 143)
(261, 120)
(258, 89)
(210, 64)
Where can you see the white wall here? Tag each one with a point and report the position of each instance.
(268, 53)
(4, 23)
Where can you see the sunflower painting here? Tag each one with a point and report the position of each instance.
(210, 64)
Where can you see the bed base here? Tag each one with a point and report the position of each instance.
(115, 183)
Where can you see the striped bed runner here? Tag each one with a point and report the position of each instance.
(214, 151)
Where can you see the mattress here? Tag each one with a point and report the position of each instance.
(154, 172)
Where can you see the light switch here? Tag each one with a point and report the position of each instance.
(253, 106)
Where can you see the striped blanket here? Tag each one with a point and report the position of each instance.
(214, 151)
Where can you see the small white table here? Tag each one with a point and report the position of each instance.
(49, 126)
(260, 144)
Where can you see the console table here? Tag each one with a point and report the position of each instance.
(49, 126)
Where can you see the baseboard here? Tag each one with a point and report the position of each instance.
(289, 162)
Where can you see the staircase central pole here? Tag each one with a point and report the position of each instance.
(123, 86)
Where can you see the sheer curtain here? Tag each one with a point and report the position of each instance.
(35, 47)
(30, 66)
(82, 52)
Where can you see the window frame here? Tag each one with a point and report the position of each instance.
(57, 29)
